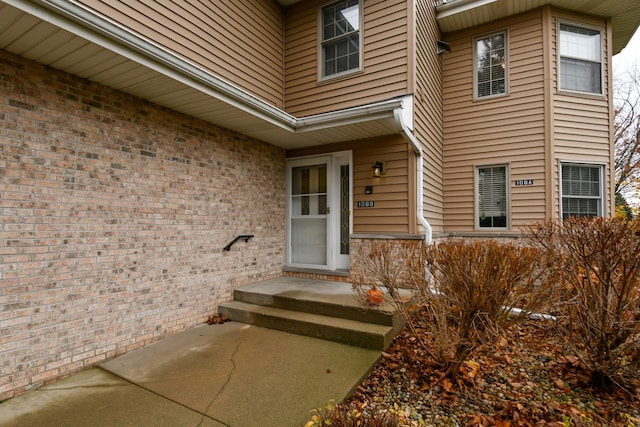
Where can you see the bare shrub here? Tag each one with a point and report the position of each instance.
(340, 415)
(599, 264)
(466, 290)
(384, 266)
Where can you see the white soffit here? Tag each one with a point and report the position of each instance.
(455, 15)
(125, 62)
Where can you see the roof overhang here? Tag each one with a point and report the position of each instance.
(67, 36)
(455, 15)
(286, 3)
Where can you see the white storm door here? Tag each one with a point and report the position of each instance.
(319, 211)
(308, 182)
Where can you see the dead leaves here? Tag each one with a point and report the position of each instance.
(560, 384)
(571, 359)
(513, 420)
(217, 319)
(447, 385)
(472, 369)
(523, 380)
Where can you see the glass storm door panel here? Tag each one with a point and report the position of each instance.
(309, 215)
(319, 212)
(342, 173)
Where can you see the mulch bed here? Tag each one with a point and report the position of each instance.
(526, 378)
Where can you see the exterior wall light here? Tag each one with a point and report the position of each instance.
(377, 169)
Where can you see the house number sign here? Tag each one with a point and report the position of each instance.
(366, 204)
(521, 182)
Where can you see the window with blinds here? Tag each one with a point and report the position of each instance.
(492, 197)
(580, 59)
(581, 190)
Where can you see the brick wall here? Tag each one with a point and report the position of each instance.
(361, 247)
(113, 216)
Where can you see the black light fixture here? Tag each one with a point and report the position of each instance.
(377, 169)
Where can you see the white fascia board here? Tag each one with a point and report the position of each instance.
(83, 22)
(459, 6)
(379, 110)
(79, 20)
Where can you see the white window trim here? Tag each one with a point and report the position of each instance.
(320, 50)
(476, 179)
(476, 97)
(601, 168)
(560, 22)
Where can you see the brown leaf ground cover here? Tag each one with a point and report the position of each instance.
(526, 378)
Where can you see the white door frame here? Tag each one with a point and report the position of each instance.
(334, 161)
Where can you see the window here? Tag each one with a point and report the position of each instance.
(492, 196)
(580, 59)
(340, 38)
(491, 65)
(581, 190)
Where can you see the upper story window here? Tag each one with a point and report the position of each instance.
(581, 190)
(492, 197)
(340, 35)
(491, 65)
(580, 59)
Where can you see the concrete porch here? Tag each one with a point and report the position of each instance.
(315, 308)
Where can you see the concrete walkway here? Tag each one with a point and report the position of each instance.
(220, 375)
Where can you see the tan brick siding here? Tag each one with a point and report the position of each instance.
(113, 216)
(361, 247)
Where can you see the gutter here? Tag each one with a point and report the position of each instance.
(78, 19)
(417, 148)
(375, 111)
(84, 22)
(453, 7)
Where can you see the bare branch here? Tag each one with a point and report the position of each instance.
(627, 131)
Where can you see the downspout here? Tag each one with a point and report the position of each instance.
(408, 135)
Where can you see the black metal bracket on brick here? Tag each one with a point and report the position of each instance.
(246, 238)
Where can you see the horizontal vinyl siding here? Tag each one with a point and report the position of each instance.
(384, 57)
(390, 192)
(428, 112)
(582, 129)
(240, 42)
(503, 130)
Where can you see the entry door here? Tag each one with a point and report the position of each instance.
(319, 216)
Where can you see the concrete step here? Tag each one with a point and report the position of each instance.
(333, 300)
(316, 308)
(346, 331)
